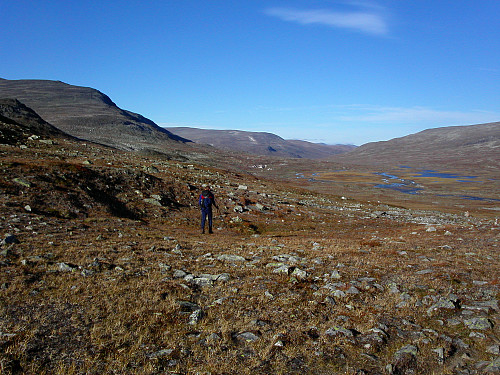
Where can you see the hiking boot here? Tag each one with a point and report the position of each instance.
(210, 231)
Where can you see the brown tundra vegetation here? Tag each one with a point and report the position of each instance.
(104, 270)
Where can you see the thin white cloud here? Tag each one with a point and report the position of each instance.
(368, 20)
(416, 115)
(490, 70)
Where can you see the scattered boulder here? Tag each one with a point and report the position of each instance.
(352, 290)
(153, 201)
(196, 316)
(374, 339)
(179, 274)
(164, 268)
(66, 267)
(10, 239)
(329, 301)
(223, 277)
(161, 353)
(260, 207)
(187, 306)
(22, 182)
(202, 281)
(443, 304)
(288, 259)
(212, 339)
(405, 361)
(238, 209)
(299, 274)
(493, 349)
(492, 367)
(335, 274)
(408, 349)
(283, 269)
(486, 306)
(247, 337)
(480, 324)
(231, 258)
(151, 169)
(339, 332)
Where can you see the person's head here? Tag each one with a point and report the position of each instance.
(205, 187)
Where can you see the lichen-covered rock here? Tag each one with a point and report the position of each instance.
(247, 337)
(299, 274)
(442, 304)
(65, 267)
(492, 367)
(339, 331)
(195, 316)
(478, 323)
(231, 258)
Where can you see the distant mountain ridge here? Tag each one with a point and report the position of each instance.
(259, 143)
(473, 145)
(87, 113)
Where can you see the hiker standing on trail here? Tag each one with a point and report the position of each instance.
(205, 202)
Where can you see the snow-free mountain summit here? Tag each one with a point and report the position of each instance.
(87, 113)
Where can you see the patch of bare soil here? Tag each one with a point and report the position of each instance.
(104, 270)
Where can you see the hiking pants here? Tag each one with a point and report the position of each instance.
(206, 213)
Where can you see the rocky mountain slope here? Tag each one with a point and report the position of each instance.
(104, 270)
(87, 113)
(259, 143)
(473, 145)
(19, 121)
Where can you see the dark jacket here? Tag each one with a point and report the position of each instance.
(206, 200)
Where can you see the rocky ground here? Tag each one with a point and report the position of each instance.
(104, 270)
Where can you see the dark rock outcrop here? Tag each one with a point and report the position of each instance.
(18, 122)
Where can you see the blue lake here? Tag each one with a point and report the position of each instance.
(392, 177)
(471, 198)
(432, 173)
(402, 185)
(411, 187)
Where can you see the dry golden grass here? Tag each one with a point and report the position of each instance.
(118, 311)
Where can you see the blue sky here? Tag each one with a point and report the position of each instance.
(324, 71)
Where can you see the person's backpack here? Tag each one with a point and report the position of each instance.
(205, 199)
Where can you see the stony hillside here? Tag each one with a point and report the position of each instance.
(87, 113)
(104, 270)
(18, 121)
(259, 143)
(473, 146)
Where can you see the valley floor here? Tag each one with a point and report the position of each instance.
(104, 270)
